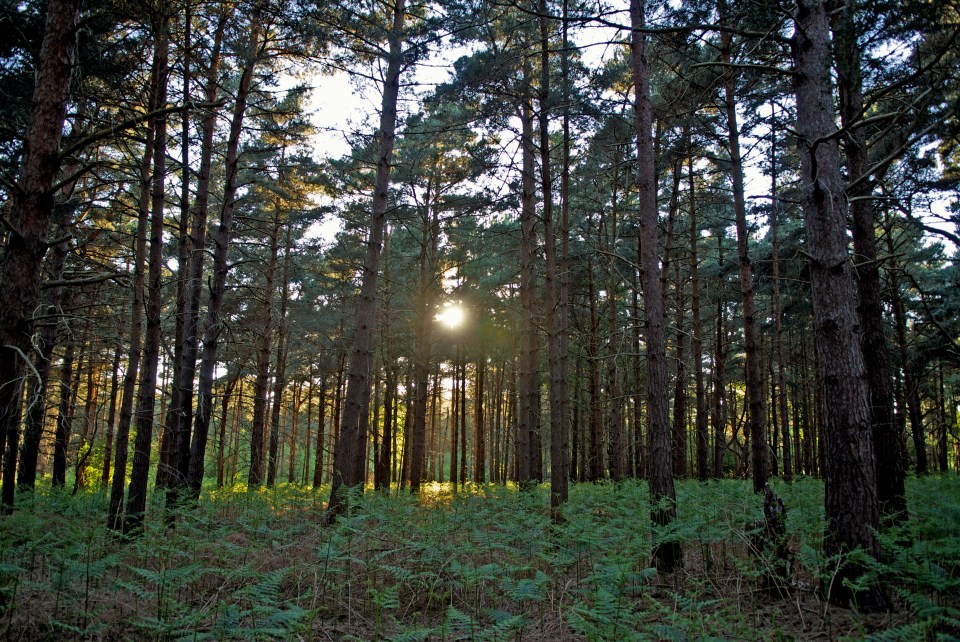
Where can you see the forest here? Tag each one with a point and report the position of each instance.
(480, 319)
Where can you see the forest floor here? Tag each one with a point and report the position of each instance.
(482, 564)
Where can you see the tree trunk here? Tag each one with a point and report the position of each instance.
(147, 385)
(321, 434)
(663, 499)
(701, 425)
(754, 371)
(618, 442)
(429, 239)
(280, 375)
(850, 476)
(352, 438)
(777, 305)
(131, 373)
(180, 416)
(61, 439)
(594, 452)
(37, 388)
(214, 323)
(31, 207)
(719, 415)
(222, 434)
(258, 431)
(112, 409)
(890, 484)
(479, 449)
(551, 290)
(528, 424)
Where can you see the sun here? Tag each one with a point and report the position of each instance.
(451, 315)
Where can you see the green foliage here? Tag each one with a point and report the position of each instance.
(485, 563)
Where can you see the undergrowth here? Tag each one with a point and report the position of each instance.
(485, 563)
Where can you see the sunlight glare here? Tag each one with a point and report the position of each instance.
(451, 316)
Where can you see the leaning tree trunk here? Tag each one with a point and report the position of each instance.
(886, 442)
(663, 499)
(850, 477)
(214, 322)
(31, 207)
(345, 472)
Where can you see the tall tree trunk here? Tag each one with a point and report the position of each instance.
(910, 382)
(618, 441)
(31, 207)
(352, 439)
(890, 485)
(258, 430)
(551, 289)
(560, 463)
(112, 409)
(479, 443)
(61, 439)
(319, 453)
(719, 414)
(147, 385)
(754, 371)
(678, 427)
(180, 416)
(663, 499)
(214, 323)
(90, 411)
(701, 422)
(170, 443)
(593, 451)
(131, 372)
(850, 477)
(777, 304)
(222, 434)
(639, 463)
(280, 375)
(528, 424)
(429, 239)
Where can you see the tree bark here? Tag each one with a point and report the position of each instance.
(754, 371)
(528, 424)
(134, 354)
(181, 410)
(32, 204)
(429, 239)
(663, 499)
(777, 305)
(701, 423)
(258, 431)
(890, 482)
(37, 388)
(214, 323)
(352, 439)
(551, 288)
(147, 385)
(850, 476)
(280, 374)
